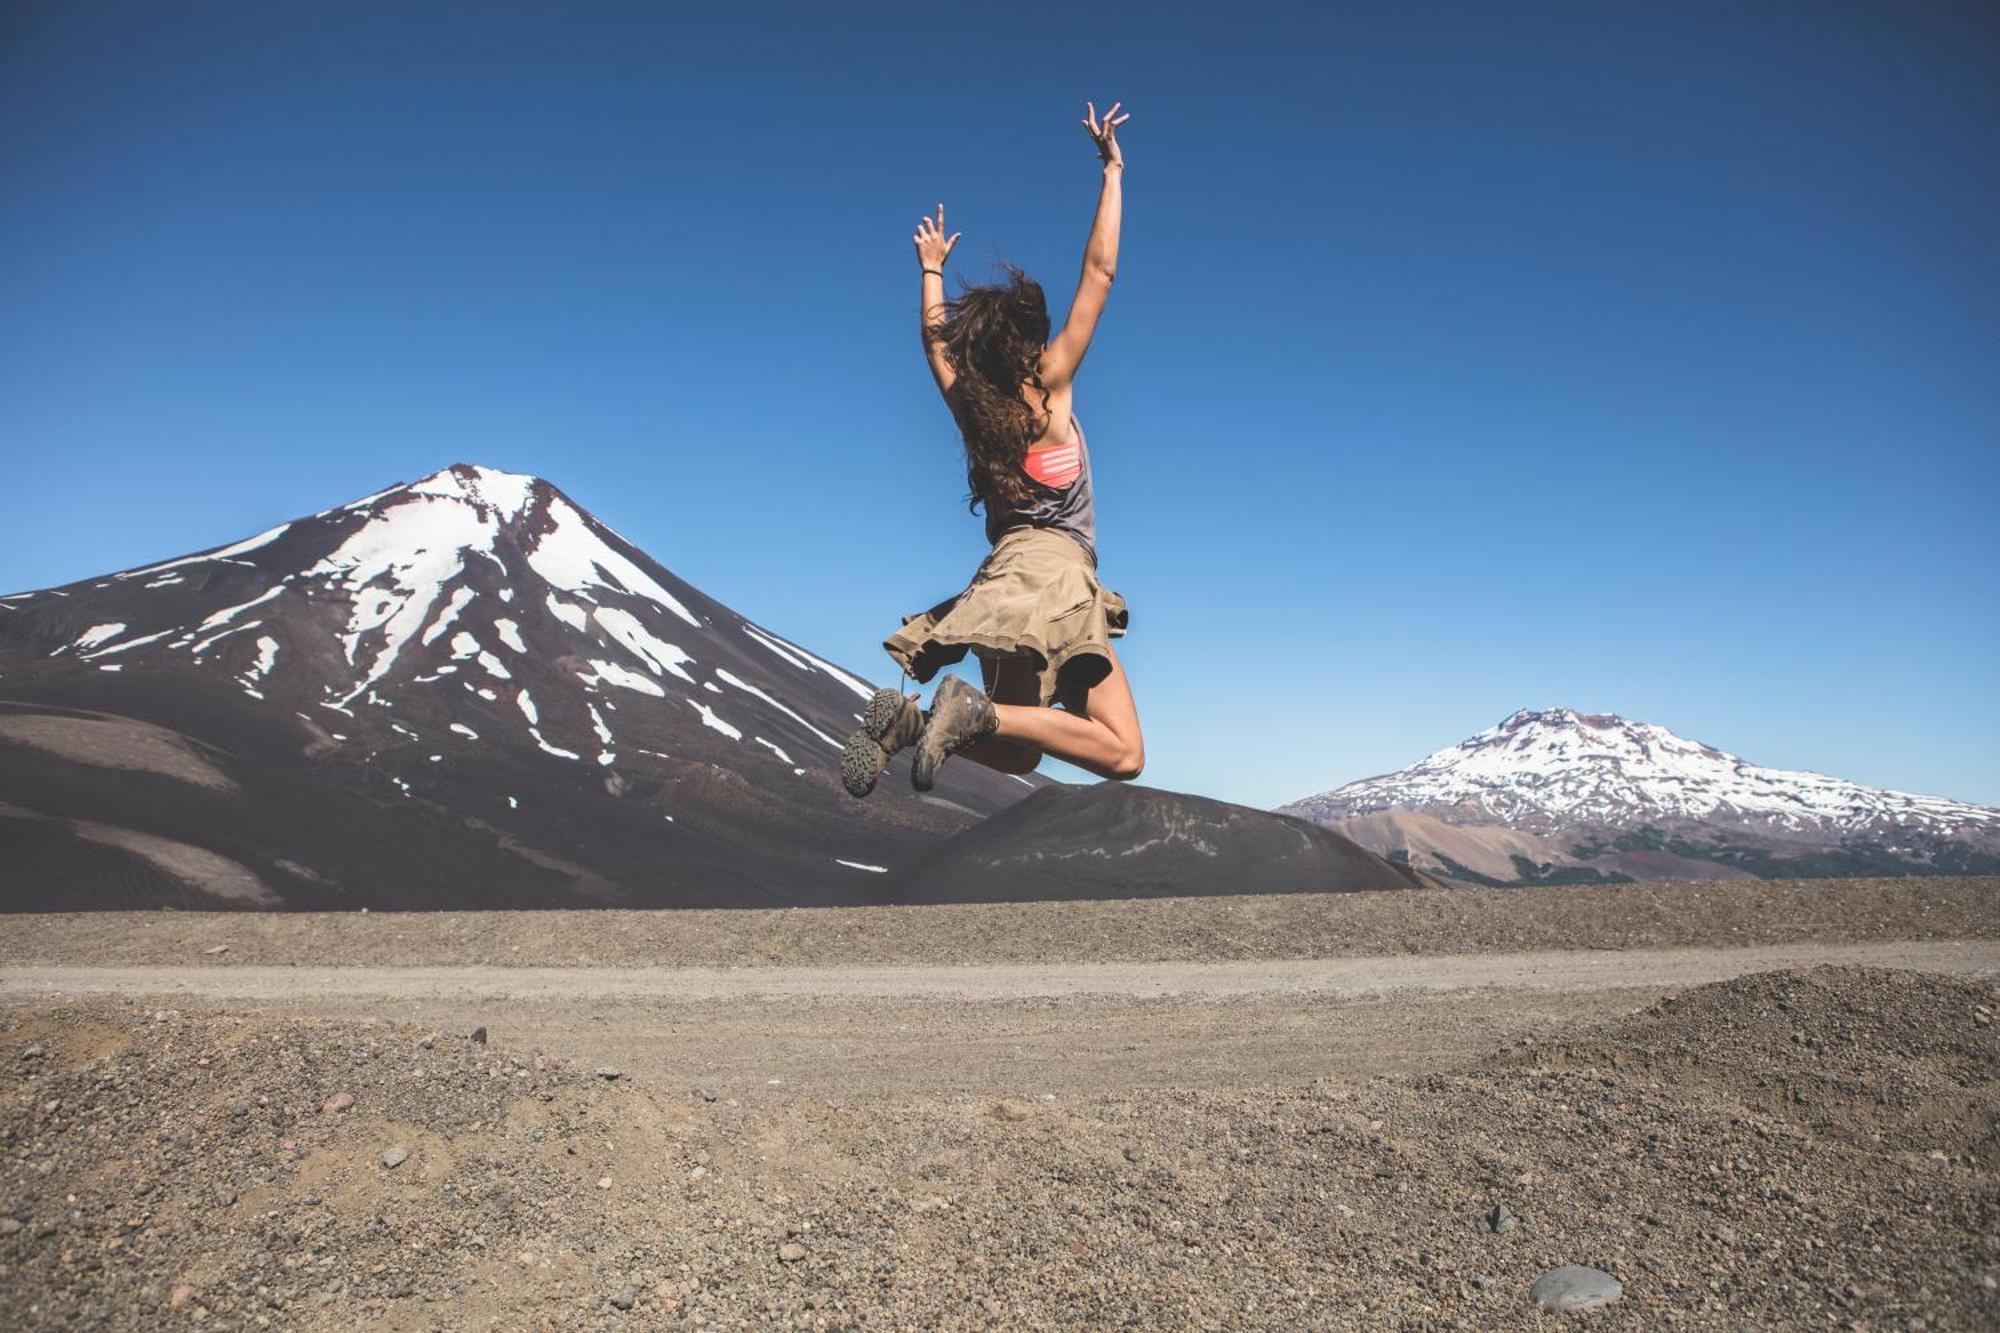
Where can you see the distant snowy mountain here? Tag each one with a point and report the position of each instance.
(465, 680)
(1602, 797)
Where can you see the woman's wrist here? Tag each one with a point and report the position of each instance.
(938, 271)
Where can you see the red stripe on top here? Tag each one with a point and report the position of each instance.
(1056, 467)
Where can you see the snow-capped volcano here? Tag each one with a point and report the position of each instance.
(1585, 781)
(469, 580)
(476, 650)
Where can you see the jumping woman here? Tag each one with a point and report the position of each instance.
(1034, 613)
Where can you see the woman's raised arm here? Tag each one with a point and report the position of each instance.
(932, 250)
(1100, 253)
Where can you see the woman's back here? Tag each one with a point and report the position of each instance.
(1061, 495)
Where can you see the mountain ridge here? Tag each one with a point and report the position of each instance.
(472, 647)
(1600, 792)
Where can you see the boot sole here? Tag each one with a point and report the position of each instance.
(861, 759)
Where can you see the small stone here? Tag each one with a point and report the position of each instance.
(1135, 1155)
(607, 1072)
(395, 1157)
(1573, 1287)
(791, 1252)
(32, 1053)
(1012, 1111)
(337, 1103)
(479, 1035)
(215, 949)
(181, 1296)
(427, 1041)
(624, 1298)
(604, 1182)
(704, 1094)
(1500, 1219)
(9, 1225)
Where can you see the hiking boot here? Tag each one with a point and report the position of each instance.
(960, 714)
(889, 722)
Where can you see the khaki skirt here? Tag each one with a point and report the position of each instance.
(1034, 597)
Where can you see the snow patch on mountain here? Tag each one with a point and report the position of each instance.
(572, 558)
(1557, 768)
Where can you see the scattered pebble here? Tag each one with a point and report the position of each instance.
(624, 1298)
(479, 1035)
(604, 1182)
(791, 1252)
(1500, 1219)
(607, 1072)
(216, 948)
(395, 1157)
(340, 1101)
(1573, 1287)
(181, 1296)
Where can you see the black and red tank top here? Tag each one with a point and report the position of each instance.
(1060, 481)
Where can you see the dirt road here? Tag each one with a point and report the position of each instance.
(760, 1033)
(1342, 978)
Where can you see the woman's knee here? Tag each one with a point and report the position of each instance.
(1129, 762)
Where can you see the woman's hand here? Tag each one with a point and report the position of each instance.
(1105, 135)
(933, 248)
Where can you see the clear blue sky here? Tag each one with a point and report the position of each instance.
(1639, 358)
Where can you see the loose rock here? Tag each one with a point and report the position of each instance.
(395, 1157)
(337, 1103)
(791, 1252)
(624, 1298)
(1573, 1287)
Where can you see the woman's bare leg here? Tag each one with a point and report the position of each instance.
(1009, 681)
(1103, 736)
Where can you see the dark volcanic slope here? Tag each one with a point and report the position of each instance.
(460, 692)
(1115, 840)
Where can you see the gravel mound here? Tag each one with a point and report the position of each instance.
(1890, 1059)
(232, 1170)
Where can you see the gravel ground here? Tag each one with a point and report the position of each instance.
(1618, 916)
(1791, 1148)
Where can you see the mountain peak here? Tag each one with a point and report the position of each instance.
(508, 494)
(1558, 717)
(1556, 769)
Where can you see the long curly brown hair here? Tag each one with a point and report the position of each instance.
(993, 336)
